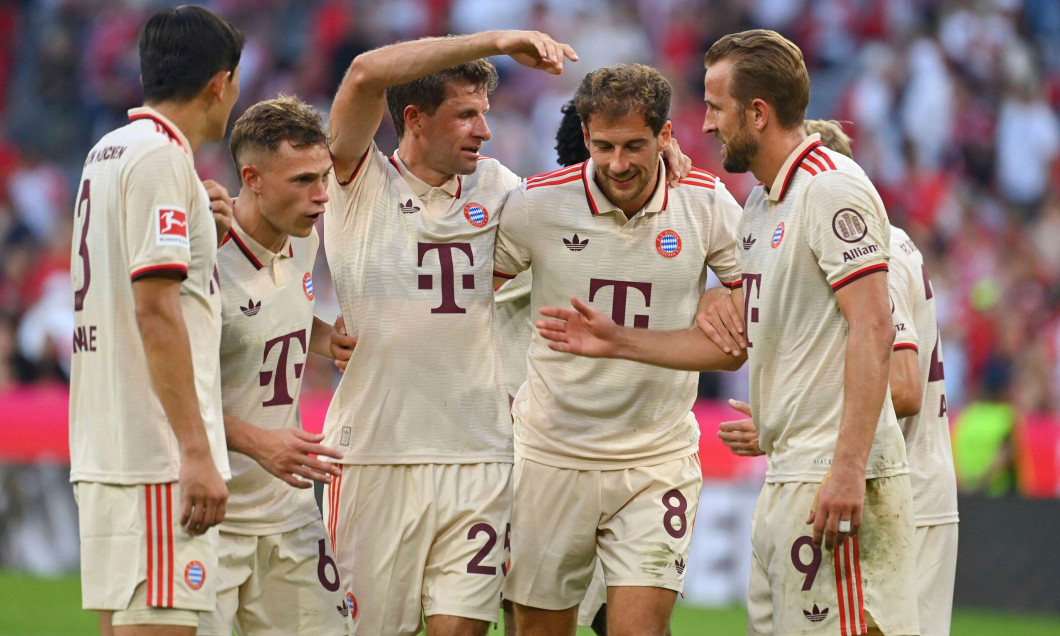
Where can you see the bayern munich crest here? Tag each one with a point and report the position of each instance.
(778, 235)
(194, 575)
(351, 601)
(307, 285)
(668, 243)
(476, 214)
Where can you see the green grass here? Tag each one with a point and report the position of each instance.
(32, 606)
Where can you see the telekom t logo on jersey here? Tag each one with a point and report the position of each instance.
(278, 378)
(448, 275)
(618, 301)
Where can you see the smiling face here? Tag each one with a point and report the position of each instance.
(726, 119)
(291, 187)
(454, 134)
(626, 155)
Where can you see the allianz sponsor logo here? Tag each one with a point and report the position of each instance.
(858, 252)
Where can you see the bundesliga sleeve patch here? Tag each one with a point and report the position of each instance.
(172, 226)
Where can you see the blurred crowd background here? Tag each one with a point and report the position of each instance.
(952, 105)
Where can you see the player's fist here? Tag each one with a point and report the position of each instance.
(221, 206)
(536, 50)
(203, 493)
(342, 344)
(740, 435)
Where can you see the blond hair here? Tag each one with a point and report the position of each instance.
(767, 66)
(832, 135)
(267, 124)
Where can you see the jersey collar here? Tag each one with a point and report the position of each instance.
(256, 253)
(420, 187)
(163, 125)
(787, 172)
(600, 204)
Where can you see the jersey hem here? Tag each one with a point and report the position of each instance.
(405, 460)
(261, 530)
(583, 463)
(815, 477)
(936, 520)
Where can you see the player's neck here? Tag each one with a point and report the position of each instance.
(188, 117)
(416, 162)
(252, 221)
(774, 148)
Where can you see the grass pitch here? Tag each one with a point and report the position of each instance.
(33, 606)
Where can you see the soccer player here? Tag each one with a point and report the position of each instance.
(273, 547)
(606, 461)
(421, 408)
(919, 396)
(147, 446)
(819, 337)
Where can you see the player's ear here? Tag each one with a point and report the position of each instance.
(413, 117)
(760, 114)
(215, 88)
(665, 135)
(251, 177)
(585, 135)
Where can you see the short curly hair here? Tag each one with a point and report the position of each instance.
(267, 124)
(570, 141)
(615, 91)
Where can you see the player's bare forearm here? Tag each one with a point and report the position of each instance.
(865, 304)
(684, 349)
(361, 97)
(168, 350)
(320, 338)
(906, 392)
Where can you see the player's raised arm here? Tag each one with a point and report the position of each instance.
(361, 98)
(586, 331)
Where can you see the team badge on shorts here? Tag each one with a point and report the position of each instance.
(194, 575)
(778, 235)
(476, 214)
(668, 243)
(307, 285)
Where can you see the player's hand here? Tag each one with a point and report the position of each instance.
(583, 331)
(203, 495)
(290, 453)
(840, 497)
(718, 317)
(342, 345)
(222, 207)
(536, 50)
(678, 164)
(740, 435)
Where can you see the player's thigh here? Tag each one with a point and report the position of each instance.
(382, 520)
(595, 597)
(235, 563)
(759, 596)
(297, 564)
(639, 611)
(646, 532)
(447, 625)
(555, 516)
(137, 561)
(465, 568)
(867, 581)
(936, 565)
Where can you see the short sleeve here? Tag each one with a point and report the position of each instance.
(160, 196)
(723, 252)
(358, 190)
(903, 289)
(512, 252)
(846, 227)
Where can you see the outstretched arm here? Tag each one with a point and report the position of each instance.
(585, 331)
(361, 98)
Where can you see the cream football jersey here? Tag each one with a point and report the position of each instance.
(516, 326)
(646, 272)
(267, 318)
(140, 210)
(819, 227)
(412, 266)
(927, 434)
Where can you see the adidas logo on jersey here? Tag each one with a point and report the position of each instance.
(680, 565)
(748, 242)
(252, 308)
(574, 245)
(408, 208)
(343, 609)
(817, 615)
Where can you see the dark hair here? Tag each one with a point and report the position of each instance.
(181, 48)
(767, 66)
(570, 140)
(267, 124)
(614, 91)
(427, 93)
